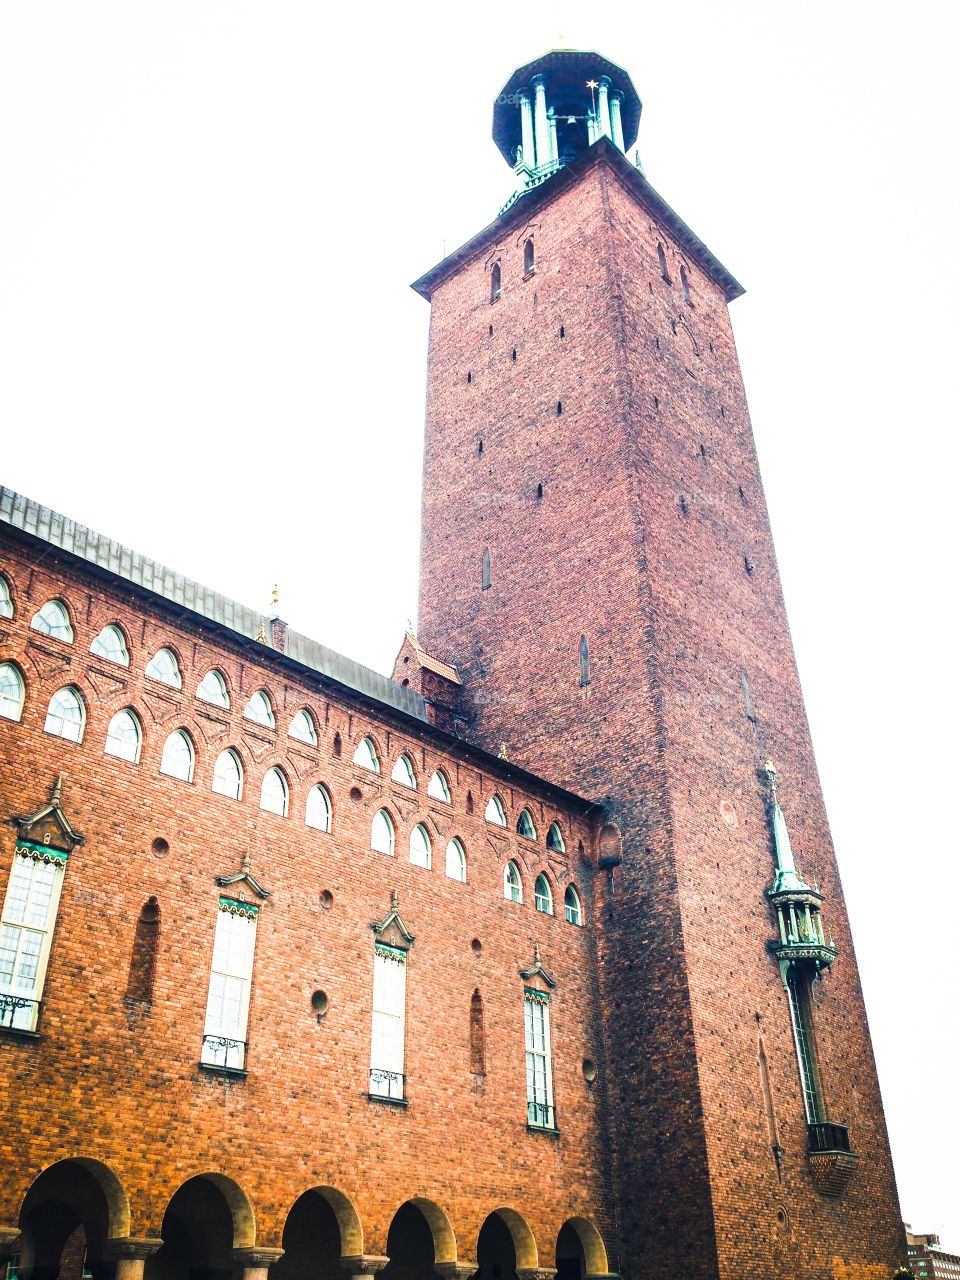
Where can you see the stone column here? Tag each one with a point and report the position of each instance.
(131, 1252)
(552, 125)
(603, 107)
(541, 129)
(593, 131)
(255, 1263)
(526, 131)
(364, 1266)
(616, 119)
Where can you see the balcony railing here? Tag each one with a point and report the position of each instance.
(223, 1054)
(19, 1013)
(386, 1084)
(828, 1137)
(540, 1115)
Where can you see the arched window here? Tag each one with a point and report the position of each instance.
(12, 692)
(420, 851)
(366, 756)
(382, 836)
(456, 861)
(65, 715)
(177, 759)
(259, 710)
(228, 775)
(438, 787)
(495, 287)
(485, 570)
(163, 666)
(572, 910)
(525, 825)
(512, 884)
(477, 1067)
(274, 793)
(213, 689)
(53, 620)
(302, 728)
(319, 809)
(110, 644)
(543, 895)
(403, 772)
(494, 811)
(6, 600)
(529, 258)
(124, 736)
(555, 838)
(662, 259)
(685, 285)
(143, 962)
(584, 662)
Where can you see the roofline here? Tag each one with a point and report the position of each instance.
(26, 518)
(602, 151)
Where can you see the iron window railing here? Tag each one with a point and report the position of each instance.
(540, 1115)
(386, 1084)
(19, 1013)
(223, 1053)
(828, 1137)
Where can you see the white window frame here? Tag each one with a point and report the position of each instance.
(219, 790)
(39, 621)
(224, 1044)
(438, 787)
(573, 914)
(6, 598)
(391, 830)
(324, 795)
(424, 856)
(539, 1066)
(13, 703)
(259, 710)
(366, 755)
(28, 859)
(55, 733)
(460, 860)
(546, 899)
(403, 772)
(125, 713)
(217, 682)
(274, 776)
(184, 736)
(495, 811)
(177, 675)
(310, 737)
(388, 1023)
(511, 892)
(119, 654)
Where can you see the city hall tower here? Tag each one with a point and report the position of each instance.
(597, 565)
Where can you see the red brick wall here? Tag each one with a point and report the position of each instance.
(120, 1083)
(651, 511)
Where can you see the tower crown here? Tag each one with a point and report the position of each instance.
(554, 108)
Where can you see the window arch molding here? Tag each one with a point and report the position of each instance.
(54, 619)
(367, 754)
(166, 666)
(529, 257)
(303, 727)
(66, 714)
(275, 792)
(112, 644)
(496, 281)
(319, 808)
(178, 758)
(13, 691)
(7, 609)
(228, 774)
(124, 738)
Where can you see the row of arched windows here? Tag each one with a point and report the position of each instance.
(665, 274)
(529, 266)
(542, 894)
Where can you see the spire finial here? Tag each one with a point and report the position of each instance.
(275, 598)
(536, 954)
(394, 900)
(57, 789)
(502, 753)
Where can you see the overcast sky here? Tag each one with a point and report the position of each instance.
(210, 214)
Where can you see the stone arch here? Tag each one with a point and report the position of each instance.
(117, 1204)
(70, 1211)
(206, 1218)
(524, 1244)
(348, 1220)
(419, 1240)
(592, 1258)
(444, 1241)
(321, 1228)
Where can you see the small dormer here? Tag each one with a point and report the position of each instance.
(437, 682)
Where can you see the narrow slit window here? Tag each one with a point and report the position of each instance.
(662, 259)
(529, 258)
(685, 285)
(143, 961)
(584, 662)
(477, 1047)
(485, 570)
(495, 282)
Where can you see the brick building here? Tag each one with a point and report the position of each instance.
(928, 1260)
(504, 965)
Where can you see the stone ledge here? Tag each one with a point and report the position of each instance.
(831, 1171)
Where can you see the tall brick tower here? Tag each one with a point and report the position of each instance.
(597, 563)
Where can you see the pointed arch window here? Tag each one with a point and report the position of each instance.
(495, 282)
(685, 285)
(163, 666)
(403, 772)
(420, 848)
(177, 759)
(274, 793)
(584, 662)
(228, 775)
(529, 258)
(382, 834)
(555, 838)
(456, 861)
(319, 809)
(662, 260)
(303, 728)
(12, 692)
(543, 895)
(525, 825)
(66, 715)
(477, 1047)
(512, 884)
(572, 908)
(485, 570)
(259, 710)
(6, 600)
(112, 645)
(213, 689)
(366, 756)
(124, 736)
(53, 620)
(438, 787)
(143, 961)
(495, 812)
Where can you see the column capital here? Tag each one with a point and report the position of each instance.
(536, 1273)
(364, 1264)
(538, 82)
(141, 1247)
(462, 1269)
(256, 1257)
(604, 82)
(603, 1275)
(8, 1239)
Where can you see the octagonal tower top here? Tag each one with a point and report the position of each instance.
(554, 108)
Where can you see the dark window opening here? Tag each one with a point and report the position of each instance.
(485, 572)
(562, 333)
(685, 286)
(529, 261)
(584, 662)
(662, 259)
(477, 1066)
(337, 744)
(495, 289)
(559, 408)
(480, 448)
(539, 492)
(513, 355)
(469, 377)
(143, 962)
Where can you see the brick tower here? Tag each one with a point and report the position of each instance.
(597, 563)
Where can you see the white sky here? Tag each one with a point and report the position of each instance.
(209, 217)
